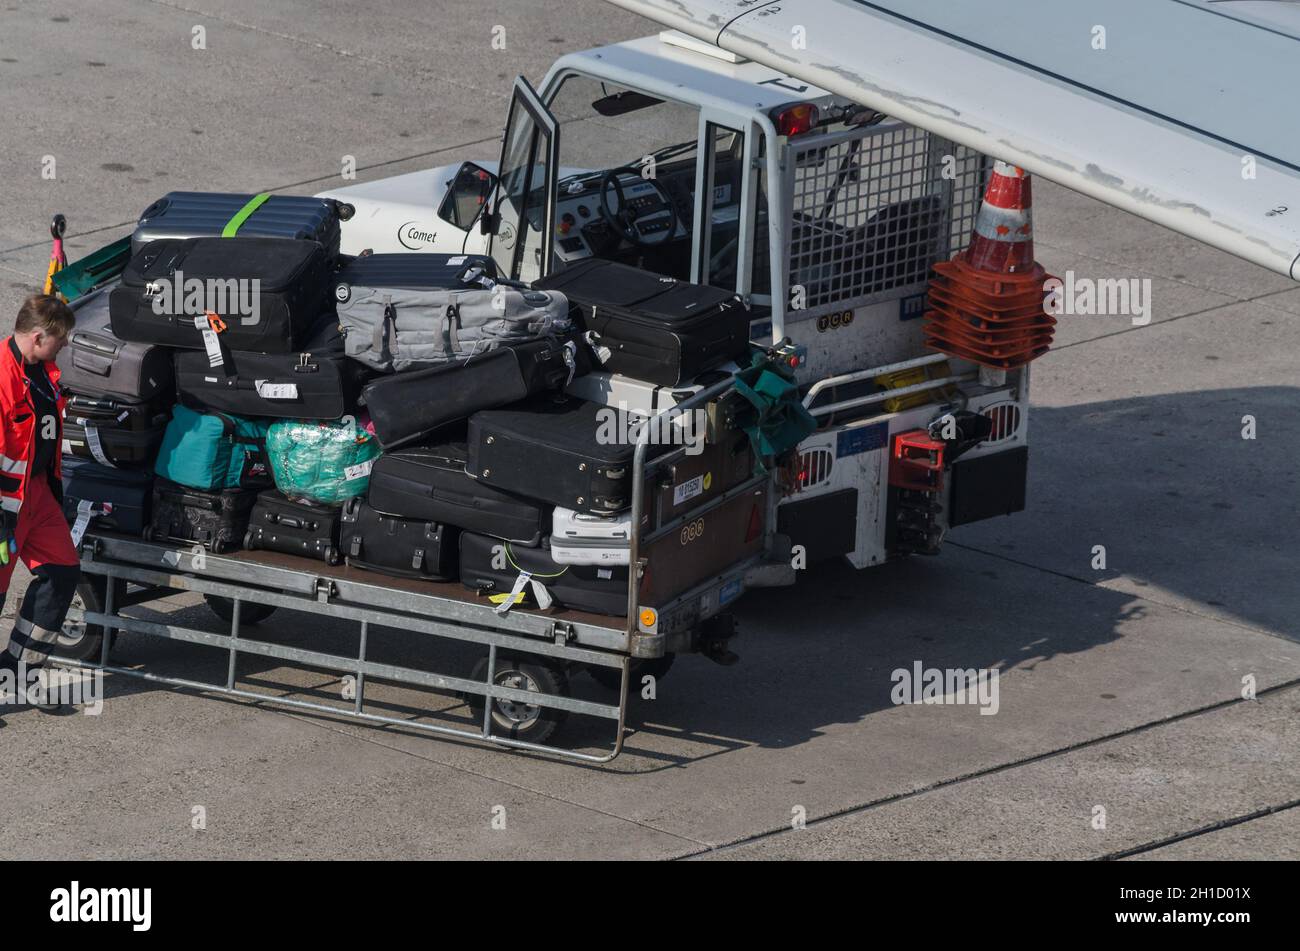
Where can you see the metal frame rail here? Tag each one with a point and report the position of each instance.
(241, 581)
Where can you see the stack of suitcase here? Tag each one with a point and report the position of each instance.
(486, 398)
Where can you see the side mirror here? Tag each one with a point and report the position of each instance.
(467, 196)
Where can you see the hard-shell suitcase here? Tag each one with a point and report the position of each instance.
(651, 327)
(210, 214)
(430, 482)
(445, 271)
(259, 294)
(406, 548)
(114, 432)
(318, 382)
(216, 520)
(692, 480)
(295, 528)
(564, 451)
(493, 567)
(441, 319)
(119, 499)
(99, 364)
(211, 451)
(406, 407)
(581, 539)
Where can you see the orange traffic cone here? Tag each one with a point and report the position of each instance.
(986, 304)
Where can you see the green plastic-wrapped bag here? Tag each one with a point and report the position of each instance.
(320, 461)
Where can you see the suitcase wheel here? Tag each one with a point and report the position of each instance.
(148, 533)
(248, 540)
(332, 556)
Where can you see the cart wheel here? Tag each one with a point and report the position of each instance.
(249, 613)
(78, 640)
(522, 721)
(610, 677)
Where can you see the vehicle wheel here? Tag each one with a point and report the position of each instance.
(610, 677)
(521, 721)
(78, 640)
(249, 613)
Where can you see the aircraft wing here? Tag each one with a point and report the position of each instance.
(1180, 111)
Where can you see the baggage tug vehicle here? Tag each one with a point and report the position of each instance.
(676, 158)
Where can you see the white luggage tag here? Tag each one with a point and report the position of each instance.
(95, 446)
(603, 353)
(86, 510)
(515, 593)
(358, 470)
(276, 391)
(210, 342)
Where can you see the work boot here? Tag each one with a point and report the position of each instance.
(36, 696)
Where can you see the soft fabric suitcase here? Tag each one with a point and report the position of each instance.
(216, 520)
(318, 382)
(430, 482)
(650, 327)
(295, 528)
(320, 461)
(581, 539)
(99, 364)
(210, 451)
(408, 406)
(274, 315)
(564, 451)
(211, 214)
(113, 432)
(398, 326)
(493, 568)
(119, 499)
(406, 548)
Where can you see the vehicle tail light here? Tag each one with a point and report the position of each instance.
(796, 119)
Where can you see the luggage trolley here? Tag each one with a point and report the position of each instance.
(513, 694)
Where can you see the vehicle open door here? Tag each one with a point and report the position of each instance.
(524, 209)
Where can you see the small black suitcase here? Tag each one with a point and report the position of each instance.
(217, 520)
(114, 432)
(206, 215)
(413, 271)
(128, 491)
(295, 528)
(654, 328)
(491, 567)
(318, 382)
(406, 548)
(408, 406)
(292, 293)
(98, 364)
(430, 482)
(563, 451)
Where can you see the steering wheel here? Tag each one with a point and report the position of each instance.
(624, 220)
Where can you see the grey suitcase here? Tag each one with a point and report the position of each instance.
(206, 214)
(396, 328)
(96, 363)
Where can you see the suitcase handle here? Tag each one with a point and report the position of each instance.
(90, 402)
(291, 521)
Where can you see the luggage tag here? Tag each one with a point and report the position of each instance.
(516, 595)
(358, 470)
(570, 359)
(95, 446)
(276, 391)
(86, 510)
(210, 324)
(603, 353)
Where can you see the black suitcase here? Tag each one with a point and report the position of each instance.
(491, 567)
(318, 382)
(99, 364)
(293, 293)
(430, 482)
(655, 328)
(552, 449)
(206, 215)
(414, 271)
(128, 491)
(295, 528)
(406, 548)
(408, 406)
(217, 520)
(114, 432)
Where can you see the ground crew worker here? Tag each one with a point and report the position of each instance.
(32, 525)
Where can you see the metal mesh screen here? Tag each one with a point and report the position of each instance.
(873, 209)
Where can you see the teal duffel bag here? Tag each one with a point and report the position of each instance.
(320, 461)
(212, 451)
